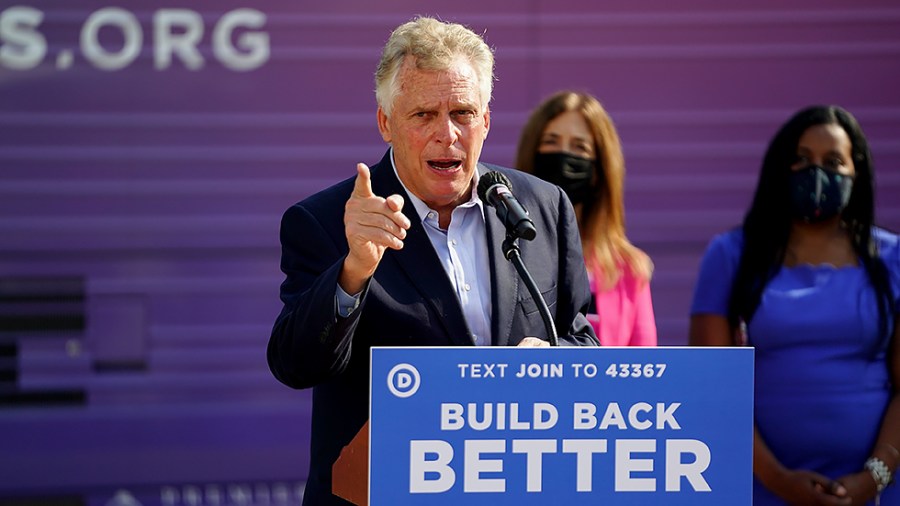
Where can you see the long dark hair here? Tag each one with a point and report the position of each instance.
(767, 224)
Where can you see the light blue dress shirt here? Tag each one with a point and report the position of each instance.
(463, 251)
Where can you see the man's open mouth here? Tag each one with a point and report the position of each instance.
(444, 164)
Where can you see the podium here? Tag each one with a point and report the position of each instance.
(350, 472)
(485, 426)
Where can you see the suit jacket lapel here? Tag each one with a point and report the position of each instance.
(504, 279)
(418, 260)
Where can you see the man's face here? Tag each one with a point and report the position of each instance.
(437, 127)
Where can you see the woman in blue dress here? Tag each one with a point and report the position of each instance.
(813, 286)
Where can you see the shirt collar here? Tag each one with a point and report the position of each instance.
(422, 208)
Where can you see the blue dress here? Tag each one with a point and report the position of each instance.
(822, 378)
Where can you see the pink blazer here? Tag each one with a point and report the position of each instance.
(624, 312)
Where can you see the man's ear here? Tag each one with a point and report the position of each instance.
(383, 125)
(487, 122)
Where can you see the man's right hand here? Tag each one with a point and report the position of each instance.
(371, 224)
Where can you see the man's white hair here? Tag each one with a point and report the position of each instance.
(434, 45)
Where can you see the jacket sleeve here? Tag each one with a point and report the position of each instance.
(574, 297)
(309, 342)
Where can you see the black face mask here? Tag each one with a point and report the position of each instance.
(571, 173)
(818, 194)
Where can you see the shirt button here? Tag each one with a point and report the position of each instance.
(468, 287)
(453, 242)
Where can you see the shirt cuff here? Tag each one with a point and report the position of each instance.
(345, 303)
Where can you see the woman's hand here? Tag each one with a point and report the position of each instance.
(806, 488)
(860, 487)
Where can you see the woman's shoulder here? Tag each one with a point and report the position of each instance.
(885, 237)
(723, 253)
(729, 243)
(888, 244)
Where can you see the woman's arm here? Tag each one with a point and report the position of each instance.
(644, 331)
(862, 485)
(794, 486)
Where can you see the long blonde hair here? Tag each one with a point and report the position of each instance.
(607, 250)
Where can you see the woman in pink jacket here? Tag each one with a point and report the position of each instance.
(570, 141)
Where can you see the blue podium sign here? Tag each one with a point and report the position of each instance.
(623, 426)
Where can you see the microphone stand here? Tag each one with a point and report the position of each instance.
(511, 252)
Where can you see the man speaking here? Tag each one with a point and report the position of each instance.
(405, 253)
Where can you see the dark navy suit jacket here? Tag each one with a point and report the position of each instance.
(408, 302)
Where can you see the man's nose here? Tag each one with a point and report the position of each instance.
(447, 132)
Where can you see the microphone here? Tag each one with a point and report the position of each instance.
(495, 190)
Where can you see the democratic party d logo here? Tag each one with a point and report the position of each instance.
(403, 380)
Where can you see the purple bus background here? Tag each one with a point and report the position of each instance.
(148, 150)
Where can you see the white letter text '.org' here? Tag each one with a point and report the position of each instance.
(114, 38)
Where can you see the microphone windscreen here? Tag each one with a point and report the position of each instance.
(488, 180)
